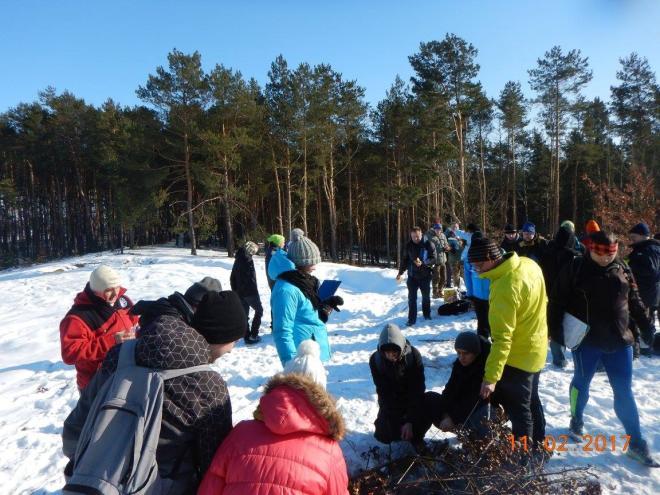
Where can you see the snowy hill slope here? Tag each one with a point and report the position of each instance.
(38, 390)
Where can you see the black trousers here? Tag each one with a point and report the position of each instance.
(518, 393)
(481, 309)
(424, 285)
(253, 302)
(389, 421)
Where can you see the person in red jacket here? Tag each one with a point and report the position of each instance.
(98, 319)
(291, 447)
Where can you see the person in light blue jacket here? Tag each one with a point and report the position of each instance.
(298, 312)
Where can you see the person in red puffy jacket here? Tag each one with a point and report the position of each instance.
(98, 319)
(291, 447)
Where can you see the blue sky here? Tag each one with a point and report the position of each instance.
(106, 49)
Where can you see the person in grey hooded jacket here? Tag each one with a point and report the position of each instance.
(398, 373)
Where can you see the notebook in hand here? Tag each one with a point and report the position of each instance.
(328, 288)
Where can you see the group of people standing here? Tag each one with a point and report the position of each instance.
(523, 287)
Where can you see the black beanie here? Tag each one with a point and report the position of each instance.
(510, 229)
(198, 290)
(483, 249)
(468, 342)
(220, 317)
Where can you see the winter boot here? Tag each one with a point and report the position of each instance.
(576, 429)
(640, 453)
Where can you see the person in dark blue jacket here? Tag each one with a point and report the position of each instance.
(418, 259)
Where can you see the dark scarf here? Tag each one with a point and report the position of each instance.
(97, 312)
(308, 285)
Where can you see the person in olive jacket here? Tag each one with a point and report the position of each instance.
(418, 260)
(598, 290)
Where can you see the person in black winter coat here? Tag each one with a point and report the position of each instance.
(177, 305)
(560, 251)
(460, 403)
(418, 259)
(644, 261)
(243, 281)
(197, 413)
(398, 373)
(511, 239)
(598, 290)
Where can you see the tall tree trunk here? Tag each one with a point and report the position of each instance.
(304, 194)
(229, 221)
(287, 176)
(278, 190)
(514, 184)
(189, 196)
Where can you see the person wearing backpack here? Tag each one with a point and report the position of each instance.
(176, 304)
(196, 408)
(598, 290)
(436, 236)
(98, 320)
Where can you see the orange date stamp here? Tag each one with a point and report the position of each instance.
(590, 443)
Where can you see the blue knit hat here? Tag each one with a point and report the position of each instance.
(437, 226)
(529, 227)
(641, 229)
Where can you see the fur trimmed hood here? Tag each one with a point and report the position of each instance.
(293, 402)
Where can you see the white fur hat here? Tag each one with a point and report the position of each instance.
(104, 277)
(308, 362)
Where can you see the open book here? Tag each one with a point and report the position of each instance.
(574, 330)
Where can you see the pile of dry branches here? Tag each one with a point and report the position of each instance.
(480, 466)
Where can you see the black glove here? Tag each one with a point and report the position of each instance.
(333, 302)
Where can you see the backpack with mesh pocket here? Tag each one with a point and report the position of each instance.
(116, 451)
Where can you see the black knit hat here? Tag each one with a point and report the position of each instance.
(468, 342)
(510, 229)
(198, 290)
(220, 317)
(483, 249)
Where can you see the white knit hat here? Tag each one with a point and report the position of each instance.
(104, 277)
(308, 362)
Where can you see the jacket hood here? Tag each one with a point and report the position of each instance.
(295, 403)
(279, 264)
(565, 238)
(392, 334)
(174, 305)
(169, 343)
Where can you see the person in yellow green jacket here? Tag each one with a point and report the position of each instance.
(519, 330)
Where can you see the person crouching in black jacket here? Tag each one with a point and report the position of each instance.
(398, 373)
(459, 403)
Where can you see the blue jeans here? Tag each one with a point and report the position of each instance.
(618, 365)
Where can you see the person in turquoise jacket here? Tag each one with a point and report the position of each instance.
(298, 312)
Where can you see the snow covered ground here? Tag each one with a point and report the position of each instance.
(38, 390)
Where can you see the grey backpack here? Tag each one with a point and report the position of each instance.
(116, 451)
